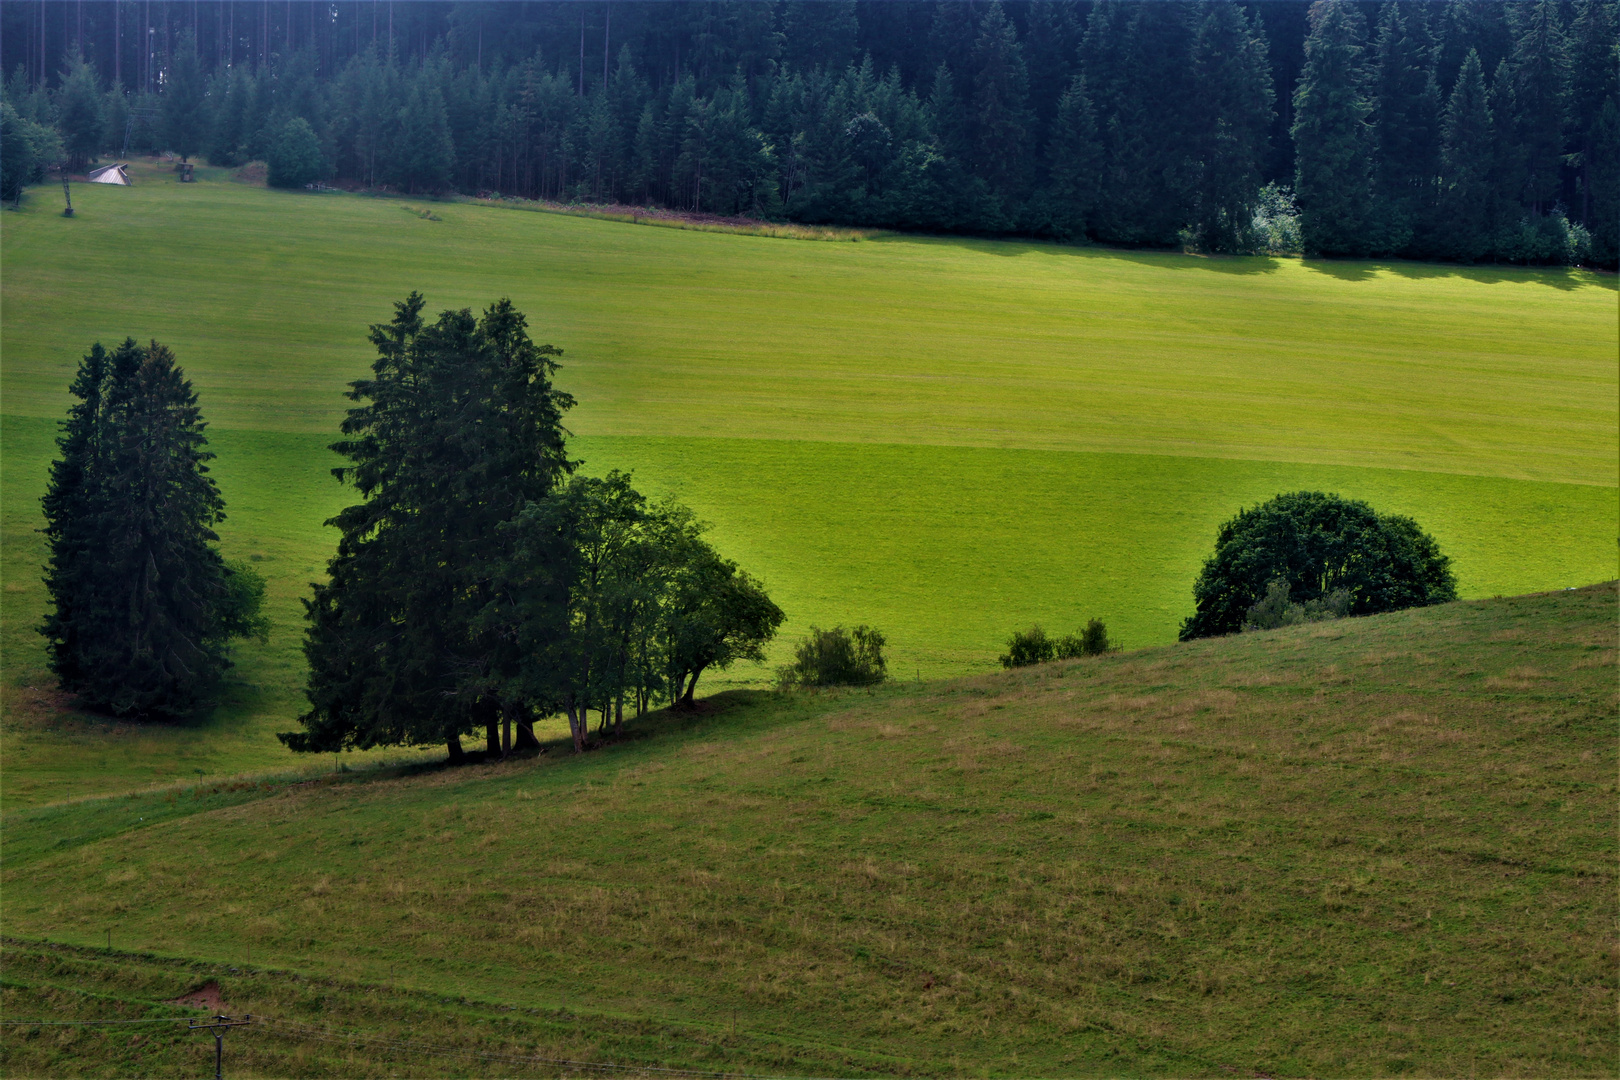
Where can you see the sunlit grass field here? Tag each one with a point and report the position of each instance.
(1377, 847)
(945, 438)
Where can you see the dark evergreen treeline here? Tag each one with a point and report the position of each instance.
(478, 584)
(1471, 129)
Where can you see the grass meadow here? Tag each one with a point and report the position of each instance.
(1383, 846)
(946, 438)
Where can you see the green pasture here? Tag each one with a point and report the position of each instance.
(1377, 847)
(945, 438)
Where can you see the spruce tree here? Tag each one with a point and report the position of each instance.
(999, 114)
(1233, 103)
(1540, 98)
(457, 430)
(142, 602)
(1051, 44)
(425, 154)
(1593, 88)
(1467, 161)
(1138, 64)
(1074, 159)
(1406, 116)
(80, 112)
(1331, 145)
(184, 102)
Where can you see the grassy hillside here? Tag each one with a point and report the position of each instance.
(947, 438)
(1376, 846)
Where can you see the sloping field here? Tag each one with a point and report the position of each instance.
(946, 438)
(1373, 847)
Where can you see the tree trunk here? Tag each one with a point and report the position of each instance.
(686, 698)
(506, 732)
(525, 733)
(456, 755)
(492, 737)
(576, 727)
(618, 714)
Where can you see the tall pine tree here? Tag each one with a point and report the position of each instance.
(1540, 70)
(1595, 116)
(1233, 102)
(458, 429)
(1330, 133)
(1467, 166)
(999, 115)
(1406, 116)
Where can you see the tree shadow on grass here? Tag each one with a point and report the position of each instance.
(1168, 260)
(1563, 278)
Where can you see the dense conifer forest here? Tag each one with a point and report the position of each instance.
(1469, 130)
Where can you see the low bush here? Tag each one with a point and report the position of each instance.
(1032, 646)
(1028, 647)
(1275, 610)
(1092, 641)
(837, 657)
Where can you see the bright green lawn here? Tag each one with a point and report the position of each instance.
(945, 438)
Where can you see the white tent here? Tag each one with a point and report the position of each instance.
(110, 174)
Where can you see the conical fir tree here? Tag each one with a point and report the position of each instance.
(1330, 133)
(1234, 95)
(1466, 160)
(141, 604)
(1540, 91)
(1407, 124)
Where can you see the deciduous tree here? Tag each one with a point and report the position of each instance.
(1317, 544)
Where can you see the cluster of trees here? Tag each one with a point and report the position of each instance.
(480, 584)
(1471, 129)
(143, 604)
(1308, 555)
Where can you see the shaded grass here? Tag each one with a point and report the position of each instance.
(1375, 846)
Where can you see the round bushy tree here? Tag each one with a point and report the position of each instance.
(295, 157)
(1317, 544)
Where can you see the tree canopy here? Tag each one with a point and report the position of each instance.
(1317, 545)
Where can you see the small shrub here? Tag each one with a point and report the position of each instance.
(1274, 610)
(837, 657)
(1275, 229)
(1092, 641)
(1028, 647)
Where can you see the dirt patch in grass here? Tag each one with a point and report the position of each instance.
(253, 174)
(207, 996)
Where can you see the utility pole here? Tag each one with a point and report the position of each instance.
(218, 1026)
